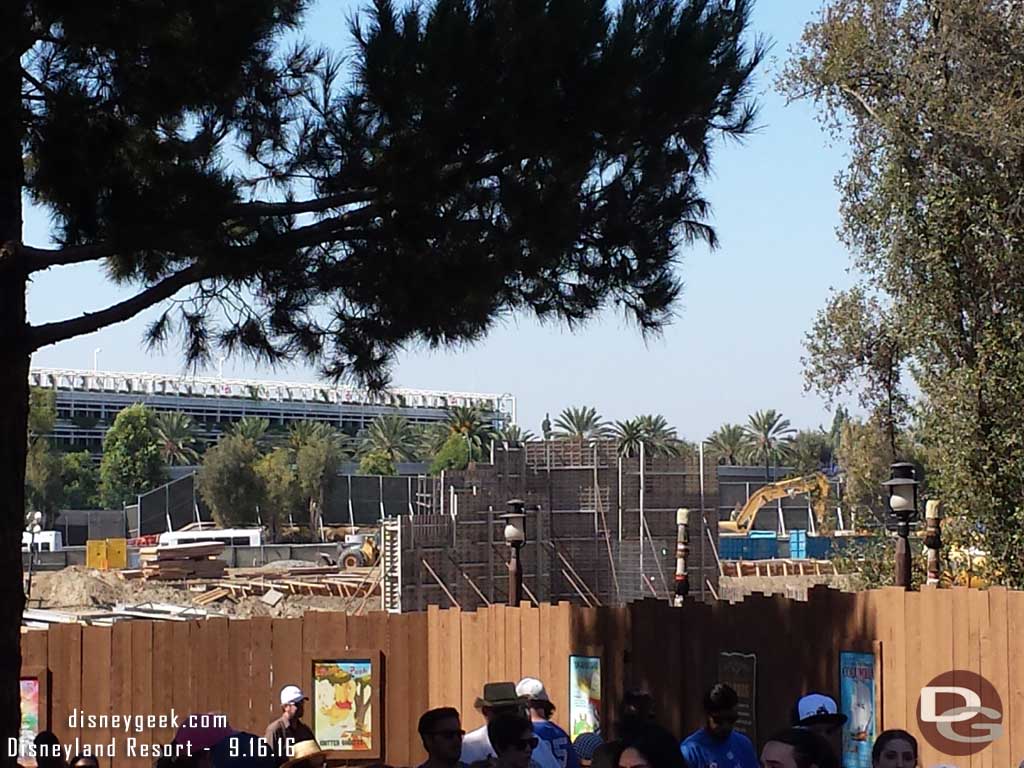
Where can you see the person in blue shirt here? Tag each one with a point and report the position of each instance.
(717, 744)
(541, 710)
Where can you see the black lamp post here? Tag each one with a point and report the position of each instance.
(902, 485)
(515, 537)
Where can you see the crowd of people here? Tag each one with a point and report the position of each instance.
(520, 732)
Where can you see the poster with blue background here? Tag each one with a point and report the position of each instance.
(857, 702)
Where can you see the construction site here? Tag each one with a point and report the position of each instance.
(600, 529)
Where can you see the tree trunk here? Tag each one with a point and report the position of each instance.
(14, 363)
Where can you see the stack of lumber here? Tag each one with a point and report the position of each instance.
(182, 561)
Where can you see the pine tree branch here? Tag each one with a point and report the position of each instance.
(38, 259)
(51, 333)
(266, 208)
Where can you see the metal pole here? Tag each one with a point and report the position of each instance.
(31, 559)
(642, 521)
(682, 550)
(933, 540)
(903, 553)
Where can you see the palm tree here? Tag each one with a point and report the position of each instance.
(251, 427)
(729, 444)
(392, 435)
(430, 438)
(660, 439)
(175, 432)
(770, 438)
(582, 423)
(304, 432)
(628, 435)
(513, 436)
(471, 424)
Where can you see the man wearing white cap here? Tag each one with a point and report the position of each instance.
(541, 709)
(288, 729)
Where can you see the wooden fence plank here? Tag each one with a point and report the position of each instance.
(529, 650)
(221, 678)
(96, 683)
(65, 649)
(122, 670)
(450, 627)
(264, 702)
(936, 648)
(474, 665)
(497, 668)
(182, 681)
(1015, 630)
(912, 649)
(286, 652)
(164, 660)
(995, 667)
(34, 644)
(513, 651)
(436, 683)
(142, 686)
(416, 689)
(240, 709)
(977, 611)
(894, 657)
(962, 641)
(561, 648)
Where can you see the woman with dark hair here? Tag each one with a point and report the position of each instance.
(798, 748)
(84, 761)
(650, 746)
(894, 749)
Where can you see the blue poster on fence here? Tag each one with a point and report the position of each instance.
(857, 702)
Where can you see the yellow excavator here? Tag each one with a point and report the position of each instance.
(815, 484)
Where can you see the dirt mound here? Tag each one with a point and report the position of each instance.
(77, 587)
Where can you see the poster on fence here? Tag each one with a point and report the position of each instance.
(346, 704)
(739, 671)
(584, 695)
(857, 702)
(29, 714)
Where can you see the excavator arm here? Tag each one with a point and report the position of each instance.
(815, 483)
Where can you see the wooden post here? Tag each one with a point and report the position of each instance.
(933, 540)
(682, 551)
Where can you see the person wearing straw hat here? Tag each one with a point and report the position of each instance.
(305, 754)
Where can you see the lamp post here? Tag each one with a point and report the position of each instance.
(902, 485)
(515, 537)
(96, 359)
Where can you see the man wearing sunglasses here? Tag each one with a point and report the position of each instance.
(441, 732)
(513, 740)
(717, 743)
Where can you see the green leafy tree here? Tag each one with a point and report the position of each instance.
(132, 461)
(281, 495)
(811, 451)
(454, 454)
(302, 433)
(42, 416)
(177, 439)
(628, 435)
(43, 483)
(204, 149)
(729, 444)
(377, 462)
(925, 92)
(770, 437)
(469, 423)
(430, 438)
(81, 481)
(583, 423)
(229, 482)
(317, 462)
(393, 437)
(660, 439)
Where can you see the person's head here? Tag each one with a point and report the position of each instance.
(84, 761)
(499, 700)
(819, 713)
(48, 750)
(441, 732)
(537, 700)
(650, 746)
(293, 702)
(635, 709)
(586, 745)
(894, 749)
(512, 740)
(798, 748)
(720, 710)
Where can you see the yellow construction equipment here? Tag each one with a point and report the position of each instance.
(815, 484)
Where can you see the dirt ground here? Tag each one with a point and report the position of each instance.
(80, 588)
(794, 587)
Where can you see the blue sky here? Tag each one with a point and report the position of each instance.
(734, 348)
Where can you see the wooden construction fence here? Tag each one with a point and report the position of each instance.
(443, 658)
